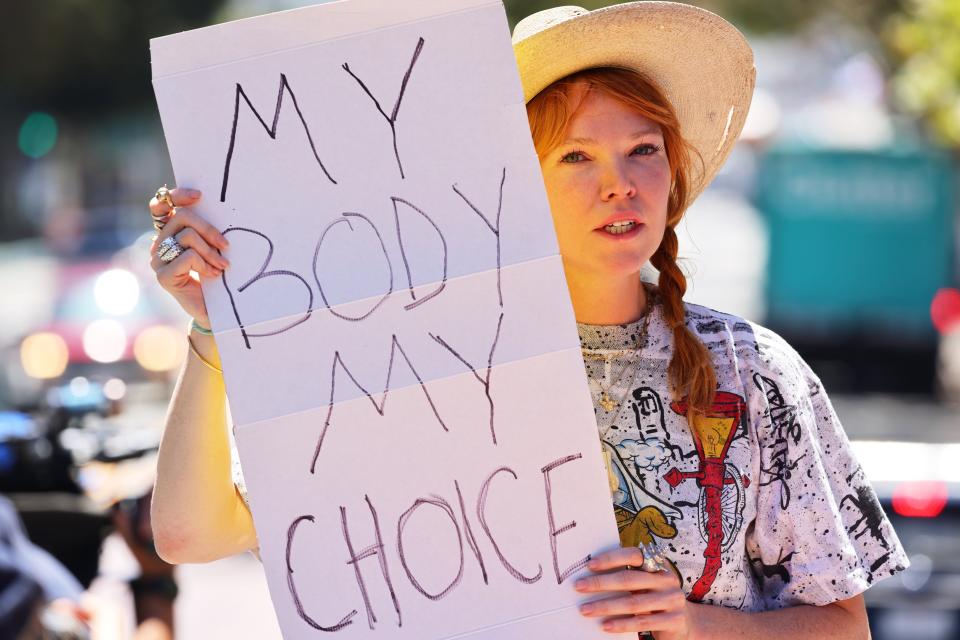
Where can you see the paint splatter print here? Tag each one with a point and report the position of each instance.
(759, 504)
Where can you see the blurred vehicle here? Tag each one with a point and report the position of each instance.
(67, 466)
(861, 241)
(78, 469)
(918, 485)
(106, 325)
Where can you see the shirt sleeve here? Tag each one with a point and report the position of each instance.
(820, 534)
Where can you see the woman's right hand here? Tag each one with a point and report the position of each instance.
(201, 242)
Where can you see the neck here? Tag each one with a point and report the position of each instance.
(615, 300)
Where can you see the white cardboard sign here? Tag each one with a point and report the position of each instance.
(399, 348)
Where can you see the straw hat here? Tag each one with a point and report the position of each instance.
(701, 63)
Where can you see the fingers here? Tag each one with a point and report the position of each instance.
(172, 273)
(186, 218)
(181, 198)
(626, 580)
(664, 621)
(189, 238)
(616, 559)
(635, 604)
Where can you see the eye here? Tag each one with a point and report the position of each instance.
(572, 157)
(647, 149)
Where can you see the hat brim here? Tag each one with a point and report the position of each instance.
(702, 64)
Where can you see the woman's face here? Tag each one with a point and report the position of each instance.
(611, 169)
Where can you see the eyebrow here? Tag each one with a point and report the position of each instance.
(633, 136)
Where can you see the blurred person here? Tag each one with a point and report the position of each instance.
(721, 443)
(155, 589)
(39, 597)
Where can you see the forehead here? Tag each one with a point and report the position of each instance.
(597, 112)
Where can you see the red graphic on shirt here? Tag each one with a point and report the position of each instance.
(722, 499)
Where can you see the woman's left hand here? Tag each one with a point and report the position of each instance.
(636, 600)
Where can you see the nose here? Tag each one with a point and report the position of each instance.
(617, 183)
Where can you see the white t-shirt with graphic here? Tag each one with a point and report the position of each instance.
(760, 505)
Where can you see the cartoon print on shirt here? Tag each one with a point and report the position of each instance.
(635, 462)
(722, 496)
(640, 514)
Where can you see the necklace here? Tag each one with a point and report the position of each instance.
(607, 355)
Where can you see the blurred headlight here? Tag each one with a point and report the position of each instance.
(160, 348)
(115, 389)
(104, 340)
(116, 292)
(44, 355)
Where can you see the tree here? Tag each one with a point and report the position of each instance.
(926, 40)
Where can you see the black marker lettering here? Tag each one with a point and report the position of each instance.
(481, 508)
(271, 130)
(554, 531)
(403, 253)
(376, 549)
(471, 540)
(262, 273)
(379, 408)
(495, 228)
(392, 118)
(346, 620)
(383, 248)
(485, 380)
(402, 522)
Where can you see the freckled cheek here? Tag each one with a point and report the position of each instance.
(655, 183)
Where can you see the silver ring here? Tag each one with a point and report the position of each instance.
(169, 249)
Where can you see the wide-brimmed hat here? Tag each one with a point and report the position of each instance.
(701, 63)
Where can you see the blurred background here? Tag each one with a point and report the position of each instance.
(834, 223)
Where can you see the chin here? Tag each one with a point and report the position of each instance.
(621, 266)
(624, 262)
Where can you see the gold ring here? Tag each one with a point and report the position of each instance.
(163, 195)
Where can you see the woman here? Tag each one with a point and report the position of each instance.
(721, 443)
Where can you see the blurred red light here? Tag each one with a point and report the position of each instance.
(920, 499)
(945, 309)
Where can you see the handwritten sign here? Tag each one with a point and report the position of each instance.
(400, 353)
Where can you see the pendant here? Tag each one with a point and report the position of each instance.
(606, 402)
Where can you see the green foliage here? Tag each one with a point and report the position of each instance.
(927, 40)
(86, 57)
(755, 16)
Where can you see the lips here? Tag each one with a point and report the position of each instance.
(623, 216)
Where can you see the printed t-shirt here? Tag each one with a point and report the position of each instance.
(762, 504)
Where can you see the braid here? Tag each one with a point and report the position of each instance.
(691, 370)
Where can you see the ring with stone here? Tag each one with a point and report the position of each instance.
(169, 249)
(164, 195)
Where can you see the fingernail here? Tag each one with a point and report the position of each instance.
(224, 243)
(224, 263)
(608, 626)
(193, 193)
(580, 585)
(587, 608)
